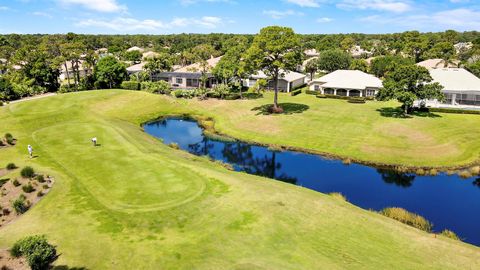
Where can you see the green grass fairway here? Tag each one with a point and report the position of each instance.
(134, 203)
(366, 132)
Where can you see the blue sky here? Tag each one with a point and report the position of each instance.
(236, 16)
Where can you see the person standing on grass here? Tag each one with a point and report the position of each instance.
(30, 151)
(94, 141)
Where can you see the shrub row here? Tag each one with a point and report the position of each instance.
(252, 95)
(311, 92)
(358, 100)
(452, 110)
(408, 218)
(130, 85)
(296, 92)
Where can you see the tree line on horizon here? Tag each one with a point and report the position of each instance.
(40, 58)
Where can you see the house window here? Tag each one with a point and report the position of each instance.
(370, 93)
(179, 80)
(192, 83)
(316, 87)
(329, 91)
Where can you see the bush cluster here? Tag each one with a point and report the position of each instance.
(408, 218)
(20, 205)
(28, 188)
(160, 87)
(36, 249)
(311, 92)
(27, 172)
(11, 166)
(130, 85)
(9, 138)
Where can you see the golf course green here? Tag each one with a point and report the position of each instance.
(134, 203)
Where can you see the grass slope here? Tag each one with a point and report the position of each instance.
(368, 132)
(134, 203)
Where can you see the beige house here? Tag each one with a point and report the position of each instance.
(438, 63)
(83, 70)
(290, 81)
(351, 83)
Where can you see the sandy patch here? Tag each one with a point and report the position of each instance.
(8, 262)
(9, 193)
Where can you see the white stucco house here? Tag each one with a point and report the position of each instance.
(461, 88)
(351, 83)
(83, 70)
(135, 48)
(290, 81)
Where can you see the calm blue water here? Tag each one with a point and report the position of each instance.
(449, 202)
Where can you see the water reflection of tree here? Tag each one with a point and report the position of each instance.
(476, 182)
(203, 148)
(242, 155)
(400, 179)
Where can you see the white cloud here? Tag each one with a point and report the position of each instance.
(130, 24)
(97, 5)
(42, 14)
(461, 19)
(276, 14)
(3, 8)
(305, 3)
(324, 20)
(397, 6)
(191, 2)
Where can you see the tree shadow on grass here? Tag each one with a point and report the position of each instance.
(288, 108)
(398, 113)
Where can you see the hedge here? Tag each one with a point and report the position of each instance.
(252, 95)
(130, 85)
(358, 100)
(310, 92)
(296, 92)
(232, 96)
(452, 110)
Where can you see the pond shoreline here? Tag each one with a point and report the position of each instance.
(208, 126)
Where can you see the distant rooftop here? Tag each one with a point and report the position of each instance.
(437, 63)
(290, 76)
(196, 67)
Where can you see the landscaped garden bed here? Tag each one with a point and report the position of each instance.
(20, 191)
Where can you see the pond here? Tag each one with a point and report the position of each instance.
(449, 202)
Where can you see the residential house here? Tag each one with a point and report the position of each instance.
(287, 83)
(136, 68)
(83, 70)
(438, 63)
(191, 76)
(352, 83)
(461, 87)
(149, 55)
(311, 53)
(135, 48)
(358, 52)
(462, 47)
